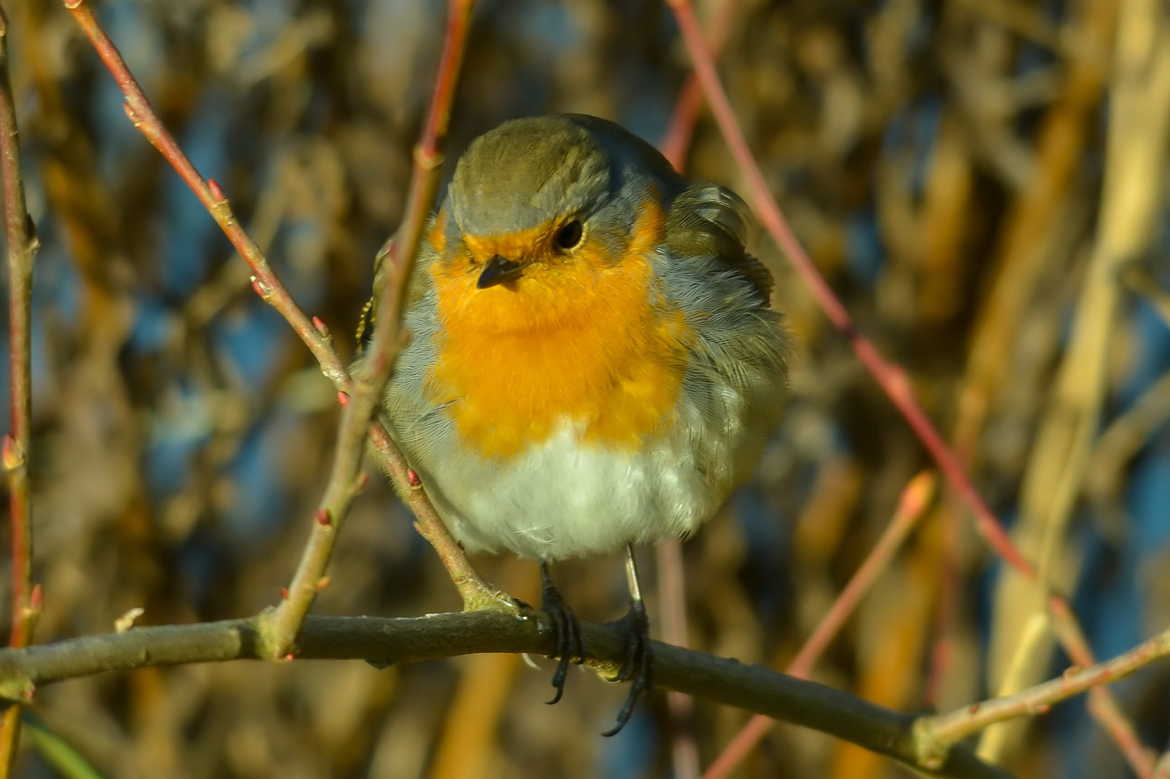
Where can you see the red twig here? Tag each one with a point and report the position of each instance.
(672, 597)
(942, 653)
(681, 130)
(911, 507)
(264, 281)
(21, 248)
(268, 286)
(672, 602)
(891, 378)
(280, 628)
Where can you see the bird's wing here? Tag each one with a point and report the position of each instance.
(710, 220)
(419, 283)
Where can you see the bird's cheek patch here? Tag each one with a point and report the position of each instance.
(647, 231)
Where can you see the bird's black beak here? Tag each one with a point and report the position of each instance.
(497, 271)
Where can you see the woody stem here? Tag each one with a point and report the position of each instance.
(311, 331)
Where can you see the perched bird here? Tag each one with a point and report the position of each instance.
(593, 361)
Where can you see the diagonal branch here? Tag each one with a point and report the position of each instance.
(890, 377)
(266, 284)
(385, 641)
(142, 116)
(279, 627)
(935, 734)
(912, 504)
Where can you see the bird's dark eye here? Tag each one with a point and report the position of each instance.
(569, 236)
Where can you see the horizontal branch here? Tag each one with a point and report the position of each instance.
(385, 641)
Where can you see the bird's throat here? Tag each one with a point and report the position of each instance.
(594, 348)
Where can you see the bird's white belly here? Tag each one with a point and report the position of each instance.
(568, 498)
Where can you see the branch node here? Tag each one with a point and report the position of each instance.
(931, 752)
(131, 113)
(262, 289)
(427, 158)
(12, 454)
(126, 621)
(323, 517)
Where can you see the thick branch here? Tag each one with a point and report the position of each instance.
(385, 641)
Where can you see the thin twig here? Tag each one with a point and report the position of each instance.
(279, 627)
(21, 248)
(1124, 438)
(1128, 220)
(142, 116)
(681, 130)
(384, 641)
(268, 286)
(890, 377)
(476, 594)
(672, 592)
(1140, 280)
(672, 609)
(912, 505)
(935, 734)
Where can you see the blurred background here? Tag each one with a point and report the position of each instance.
(982, 182)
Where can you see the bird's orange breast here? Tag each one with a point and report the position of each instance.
(580, 338)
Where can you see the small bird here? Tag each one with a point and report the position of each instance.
(593, 360)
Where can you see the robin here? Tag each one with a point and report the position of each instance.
(593, 361)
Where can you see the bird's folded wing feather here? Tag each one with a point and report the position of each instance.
(712, 221)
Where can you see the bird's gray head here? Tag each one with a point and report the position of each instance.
(526, 173)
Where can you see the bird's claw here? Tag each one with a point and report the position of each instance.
(567, 638)
(636, 666)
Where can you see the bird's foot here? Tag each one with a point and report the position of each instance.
(568, 632)
(636, 666)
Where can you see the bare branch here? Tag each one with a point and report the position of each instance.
(936, 734)
(266, 284)
(21, 248)
(889, 376)
(385, 641)
(915, 499)
(280, 626)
